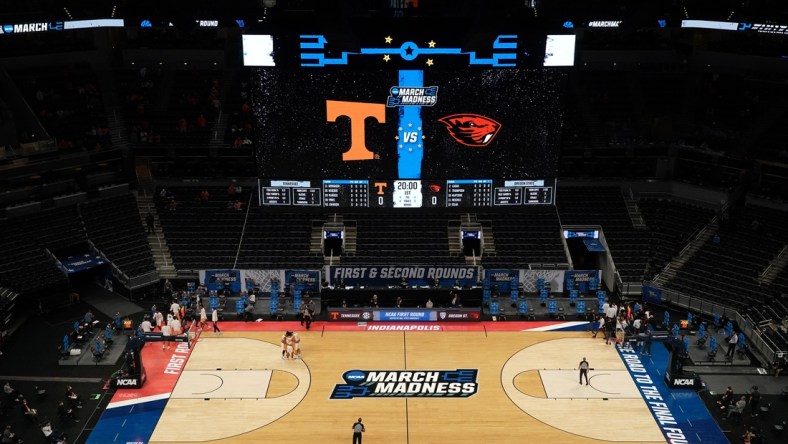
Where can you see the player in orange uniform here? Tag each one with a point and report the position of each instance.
(288, 345)
(296, 346)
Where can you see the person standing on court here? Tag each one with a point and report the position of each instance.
(583, 370)
(358, 429)
(306, 317)
(215, 321)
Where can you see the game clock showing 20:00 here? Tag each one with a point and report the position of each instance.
(407, 193)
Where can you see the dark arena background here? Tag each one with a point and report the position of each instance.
(257, 221)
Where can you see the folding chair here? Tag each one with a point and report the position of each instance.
(712, 354)
(702, 336)
(573, 294)
(501, 314)
(98, 352)
(522, 308)
(552, 309)
(273, 307)
(495, 309)
(580, 308)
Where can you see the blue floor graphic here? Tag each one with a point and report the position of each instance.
(131, 424)
(680, 413)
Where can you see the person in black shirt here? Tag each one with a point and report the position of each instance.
(358, 429)
(755, 401)
(306, 318)
(149, 223)
(583, 366)
(66, 413)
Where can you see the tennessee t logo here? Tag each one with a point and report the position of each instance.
(357, 112)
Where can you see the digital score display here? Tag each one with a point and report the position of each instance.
(407, 193)
(276, 195)
(290, 192)
(534, 192)
(309, 197)
(469, 193)
(346, 193)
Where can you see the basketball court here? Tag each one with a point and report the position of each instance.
(515, 385)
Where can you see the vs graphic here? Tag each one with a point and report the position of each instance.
(471, 130)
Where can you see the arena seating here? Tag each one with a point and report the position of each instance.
(660, 101)
(201, 235)
(726, 271)
(114, 227)
(776, 338)
(67, 101)
(610, 97)
(779, 289)
(140, 90)
(24, 266)
(238, 104)
(274, 240)
(207, 235)
(605, 206)
(69, 230)
(729, 106)
(398, 238)
(671, 225)
(191, 99)
(525, 237)
(156, 100)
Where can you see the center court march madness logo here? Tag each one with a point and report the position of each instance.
(460, 383)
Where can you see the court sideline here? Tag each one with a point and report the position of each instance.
(236, 388)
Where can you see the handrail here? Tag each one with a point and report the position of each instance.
(757, 343)
(161, 248)
(120, 275)
(694, 237)
(771, 264)
(243, 230)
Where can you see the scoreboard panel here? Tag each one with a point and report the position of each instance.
(406, 119)
(469, 193)
(407, 193)
(346, 193)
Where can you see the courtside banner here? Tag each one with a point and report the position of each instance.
(391, 275)
(404, 314)
(217, 279)
(585, 280)
(652, 295)
(308, 279)
(501, 279)
(349, 314)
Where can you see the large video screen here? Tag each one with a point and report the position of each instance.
(342, 124)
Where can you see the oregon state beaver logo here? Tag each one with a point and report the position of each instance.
(471, 129)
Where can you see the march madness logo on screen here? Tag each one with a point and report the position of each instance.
(404, 96)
